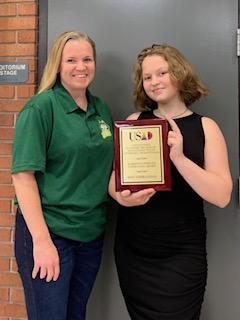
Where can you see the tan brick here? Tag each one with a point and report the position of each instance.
(14, 207)
(8, 9)
(6, 134)
(13, 310)
(6, 250)
(11, 105)
(18, 1)
(7, 37)
(4, 294)
(14, 266)
(17, 23)
(27, 9)
(6, 220)
(18, 50)
(11, 279)
(4, 264)
(17, 295)
(5, 234)
(6, 148)
(6, 119)
(7, 92)
(6, 162)
(5, 177)
(6, 192)
(12, 234)
(27, 36)
(25, 91)
(5, 206)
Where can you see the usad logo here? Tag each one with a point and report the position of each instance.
(138, 135)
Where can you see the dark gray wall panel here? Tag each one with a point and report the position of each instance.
(205, 31)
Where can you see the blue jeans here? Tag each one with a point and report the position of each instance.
(66, 298)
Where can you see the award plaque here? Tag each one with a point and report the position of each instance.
(142, 155)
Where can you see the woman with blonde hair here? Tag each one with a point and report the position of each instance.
(61, 190)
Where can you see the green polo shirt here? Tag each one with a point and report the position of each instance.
(71, 152)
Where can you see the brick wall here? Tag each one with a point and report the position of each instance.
(18, 42)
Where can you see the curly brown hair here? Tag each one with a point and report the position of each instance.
(182, 74)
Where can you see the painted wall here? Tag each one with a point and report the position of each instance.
(205, 31)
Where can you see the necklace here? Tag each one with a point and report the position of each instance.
(158, 114)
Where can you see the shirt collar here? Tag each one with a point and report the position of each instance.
(68, 103)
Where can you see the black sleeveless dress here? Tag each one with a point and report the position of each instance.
(160, 247)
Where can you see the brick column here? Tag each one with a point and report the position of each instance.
(18, 43)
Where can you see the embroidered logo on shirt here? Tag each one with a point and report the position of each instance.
(105, 129)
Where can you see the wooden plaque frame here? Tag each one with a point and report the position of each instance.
(142, 155)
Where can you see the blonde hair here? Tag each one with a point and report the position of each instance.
(51, 68)
(182, 75)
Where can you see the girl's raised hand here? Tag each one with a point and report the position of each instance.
(175, 140)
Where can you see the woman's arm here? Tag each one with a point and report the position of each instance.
(213, 182)
(46, 259)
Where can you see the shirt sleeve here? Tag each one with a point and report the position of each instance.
(31, 138)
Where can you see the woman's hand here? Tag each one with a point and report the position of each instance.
(130, 199)
(46, 260)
